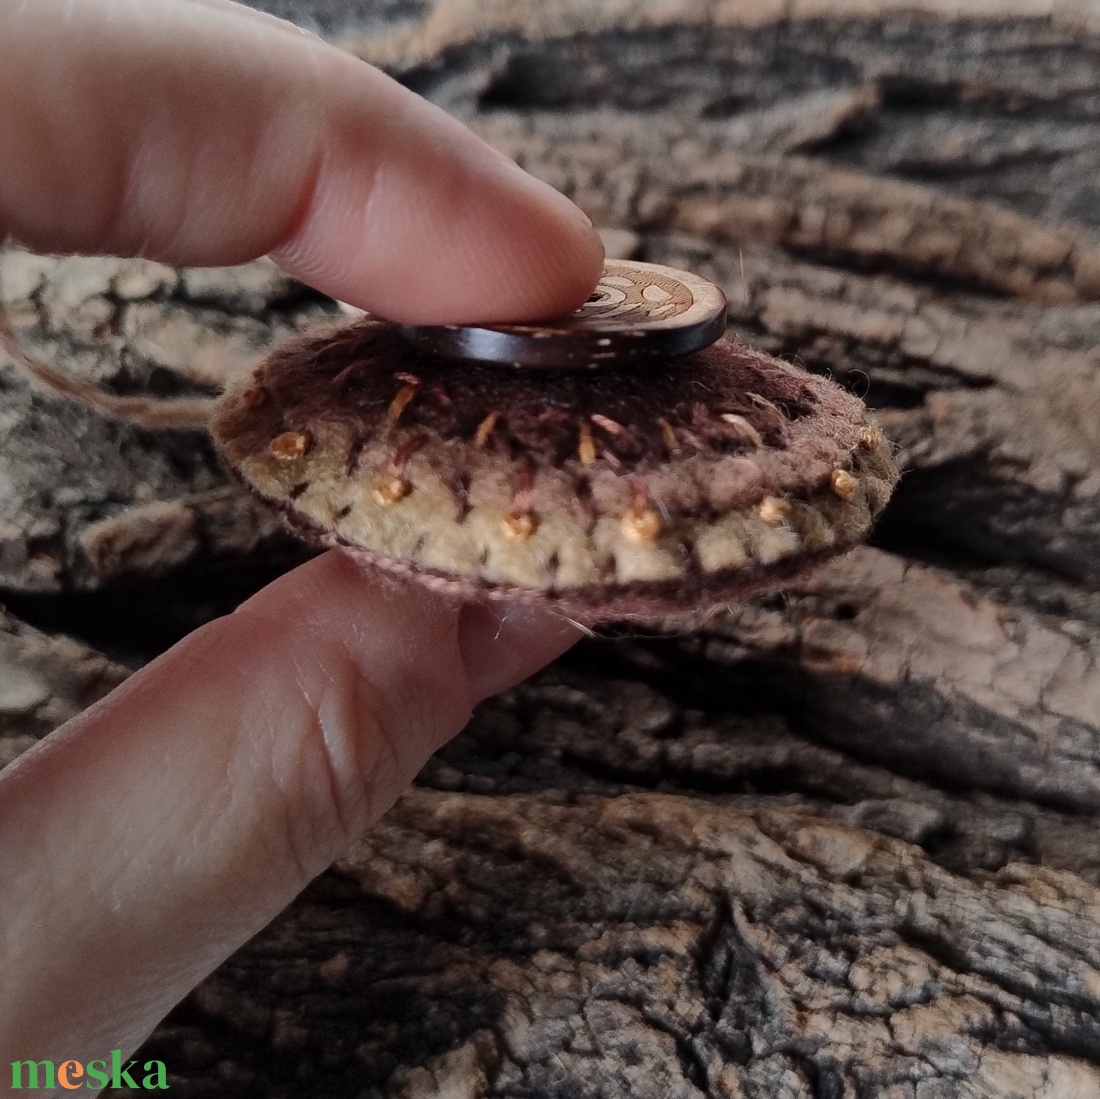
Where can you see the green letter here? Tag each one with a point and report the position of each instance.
(118, 1073)
(156, 1076)
(32, 1068)
(97, 1074)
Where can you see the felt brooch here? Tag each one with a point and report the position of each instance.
(625, 463)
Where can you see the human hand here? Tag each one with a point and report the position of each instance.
(150, 837)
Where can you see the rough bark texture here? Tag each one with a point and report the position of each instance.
(841, 844)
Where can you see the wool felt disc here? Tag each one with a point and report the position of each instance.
(625, 493)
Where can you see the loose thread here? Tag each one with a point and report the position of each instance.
(183, 412)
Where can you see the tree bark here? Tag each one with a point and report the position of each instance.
(842, 842)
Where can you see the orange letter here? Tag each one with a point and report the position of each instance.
(63, 1071)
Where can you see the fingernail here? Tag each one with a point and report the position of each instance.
(502, 644)
(563, 202)
(255, 16)
(533, 183)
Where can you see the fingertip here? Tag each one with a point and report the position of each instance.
(426, 224)
(501, 644)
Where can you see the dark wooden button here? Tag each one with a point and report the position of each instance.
(639, 312)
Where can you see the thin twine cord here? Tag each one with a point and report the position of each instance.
(182, 412)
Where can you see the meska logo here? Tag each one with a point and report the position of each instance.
(70, 1075)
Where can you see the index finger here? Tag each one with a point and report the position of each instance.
(202, 134)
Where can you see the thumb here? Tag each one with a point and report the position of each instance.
(150, 837)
